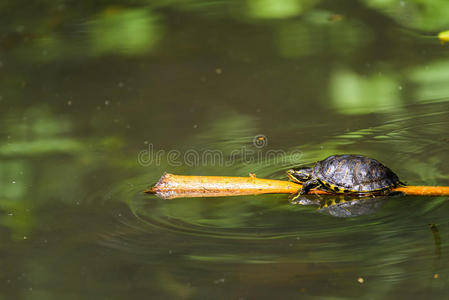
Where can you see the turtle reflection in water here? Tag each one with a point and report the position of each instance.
(343, 206)
(356, 177)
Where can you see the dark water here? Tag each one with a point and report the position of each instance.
(98, 100)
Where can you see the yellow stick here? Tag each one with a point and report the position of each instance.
(175, 186)
(172, 186)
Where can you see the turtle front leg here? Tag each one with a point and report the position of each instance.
(306, 187)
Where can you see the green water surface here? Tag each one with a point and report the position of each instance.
(98, 99)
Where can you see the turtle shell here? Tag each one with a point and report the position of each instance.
(354, 174)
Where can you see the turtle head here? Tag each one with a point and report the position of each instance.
(300, 175)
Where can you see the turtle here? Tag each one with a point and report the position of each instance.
(347, 174)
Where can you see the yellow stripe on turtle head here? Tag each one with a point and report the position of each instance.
(292, 178)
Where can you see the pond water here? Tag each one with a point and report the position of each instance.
(97, 101)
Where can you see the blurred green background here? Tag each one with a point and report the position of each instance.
(86, 87)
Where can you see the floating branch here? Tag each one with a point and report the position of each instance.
(172, 186)
(175, 186)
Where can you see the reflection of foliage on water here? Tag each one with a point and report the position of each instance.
(278, 9)
(130, 31)
(355, 94)
(39, 133)
(430, 81)
(138, 29)
(419, 14)
(299, 30)
(43, 161)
